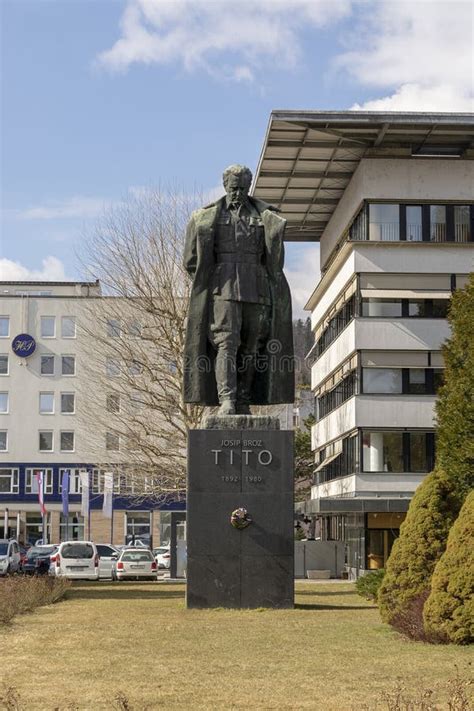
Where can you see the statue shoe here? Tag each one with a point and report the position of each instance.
(243, 408)
(227, 408)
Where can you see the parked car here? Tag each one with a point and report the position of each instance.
(9, 556)
(37, 560)
(162, 556)
(76, 560)
(107, 556)
(137, 563)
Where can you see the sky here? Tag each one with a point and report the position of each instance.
(101, 98)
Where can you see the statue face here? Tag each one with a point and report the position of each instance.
(236, 188)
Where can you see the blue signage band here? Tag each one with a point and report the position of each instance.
(23, 345)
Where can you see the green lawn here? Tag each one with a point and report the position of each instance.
(331, 652)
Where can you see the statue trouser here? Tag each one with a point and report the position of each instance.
(237, 330)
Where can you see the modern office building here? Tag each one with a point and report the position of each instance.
(45, 393)
(390, 198)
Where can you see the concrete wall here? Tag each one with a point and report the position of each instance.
(396, 180)
(367, 484)
(319, 555)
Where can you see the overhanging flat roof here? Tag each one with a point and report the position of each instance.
(308, 157)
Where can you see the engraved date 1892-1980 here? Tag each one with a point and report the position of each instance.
(250, 478)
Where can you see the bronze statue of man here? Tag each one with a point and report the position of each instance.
(239, 338)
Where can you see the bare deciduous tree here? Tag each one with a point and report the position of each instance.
(136, 418)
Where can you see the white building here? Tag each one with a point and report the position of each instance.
(390, 197)
(44, 398)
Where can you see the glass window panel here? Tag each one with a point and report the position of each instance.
(440, 308)
(46, 441)
(68, 365)
(3, 365)
(113, 328)
(68, 403)
(416, 381)
(46, 403)
(382, 380)
(414, 223)
(384, 222)
(112, 442)
(437, 223)
(134, 368)
(461, 223)
(71, 528)
(113, 403)
(4, 326)
(418, 458)
(47, 365)
(31, 482)
(68, 327)
(417, 308)
(67, 441)
(134, 329)
(3, 440)
(382, 308)
(382, 451)
(112, 367)
(4, 402)
(48, 326)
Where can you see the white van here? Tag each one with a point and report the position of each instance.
(76, 560)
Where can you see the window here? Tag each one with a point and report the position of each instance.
(440, 308)
(112, 442)
(4, 326)
(46, 403)
(3, 441)
(8, 481)
(382, 380)
(71, 528)
(336, 325)
(74, 481)
(47, 365)
(45, 441)
(344, 464)
(135, 368)
(134, 329)
(328, 402)
(384, 222)
(414, 223)
(418, 452)
(416, 381)
(461, 223)
(358, 229)
(48, 326)
(68, 403)
(382, 308)
(382, 452)
(34, 528)
(438, 378)
(138, 527)
(437, 223)
(31, 482)
(3, 403)
(113, 328)
(113, 403)
(66, 440)
(3, 365)
(68, 365)
(112, 367)
(68, 327)
(417, 308)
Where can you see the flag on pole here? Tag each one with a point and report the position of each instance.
(65, 492)
(108, 494)
(40, 481)
(84, 476)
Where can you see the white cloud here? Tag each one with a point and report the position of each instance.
(216, 34)
(52, 270)
(75, 207)
(422, 49)
(303, 278)
(413, 97)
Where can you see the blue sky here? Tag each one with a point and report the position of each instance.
(101, 97)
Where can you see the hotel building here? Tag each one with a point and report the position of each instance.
(389, 196)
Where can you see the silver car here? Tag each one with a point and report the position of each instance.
(9, 557)
(135, 563)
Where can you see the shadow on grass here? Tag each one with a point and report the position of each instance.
(317, 593)
(119, 592)
(315, 606)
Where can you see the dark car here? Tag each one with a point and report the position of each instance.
(36, 561)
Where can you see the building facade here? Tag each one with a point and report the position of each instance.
(390, 197)
(45, 394)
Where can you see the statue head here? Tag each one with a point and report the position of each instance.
(237, 180)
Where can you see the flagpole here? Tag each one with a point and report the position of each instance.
(89, 505)
(43, 511)
(112, 518)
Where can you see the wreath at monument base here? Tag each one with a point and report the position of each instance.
(240, 518)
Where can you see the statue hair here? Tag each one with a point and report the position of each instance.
(237, 169)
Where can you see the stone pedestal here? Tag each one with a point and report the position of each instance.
(236, 468)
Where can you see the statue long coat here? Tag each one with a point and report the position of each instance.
(274, 378)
